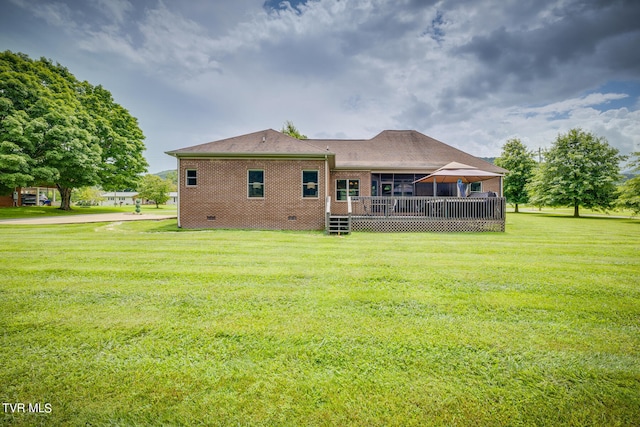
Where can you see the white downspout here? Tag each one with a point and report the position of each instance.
(326, 176)
(178, 200)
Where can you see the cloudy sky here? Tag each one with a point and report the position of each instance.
(471, 73)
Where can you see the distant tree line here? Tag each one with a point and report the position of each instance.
(580, 169)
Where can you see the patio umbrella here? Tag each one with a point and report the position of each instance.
(454, 171)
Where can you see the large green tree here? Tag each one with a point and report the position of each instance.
(118, 135)
(152, 187)
(629, 197)
(57, 130)
(519, 162)
(14, 162)
(580, 169)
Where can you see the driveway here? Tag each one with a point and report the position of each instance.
(78, 219)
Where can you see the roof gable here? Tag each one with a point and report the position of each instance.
(399, 149)
(265, 142)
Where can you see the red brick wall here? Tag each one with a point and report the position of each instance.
(6, 201)
(220, 198)
(492, 184)
(340, 207)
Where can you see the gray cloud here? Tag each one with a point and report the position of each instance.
(585, 36)
(470, 73)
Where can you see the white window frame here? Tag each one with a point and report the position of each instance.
(250, 184)
(316, 183)
(349, 190)
(187, 178)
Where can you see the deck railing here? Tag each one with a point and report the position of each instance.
(429, 213)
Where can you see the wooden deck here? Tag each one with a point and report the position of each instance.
(427, 214)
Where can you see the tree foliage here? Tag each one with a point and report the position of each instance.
(290, 129)
(56, 129)
(118, 135)
(580, 169)
(629, 197)
(172, 177)
(87, 196)
(152, 187)
(519, 161)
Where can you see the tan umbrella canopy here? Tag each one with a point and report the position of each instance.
(454, 171)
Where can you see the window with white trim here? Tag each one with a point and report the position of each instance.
(346, 187)
(310, 184)
(255, 181)
(191, 177)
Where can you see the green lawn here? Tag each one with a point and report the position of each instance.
(569, 211)
(137, 324)
(45, 211)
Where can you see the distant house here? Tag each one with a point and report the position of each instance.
(173, 198)
(269, 180)
(118, 198)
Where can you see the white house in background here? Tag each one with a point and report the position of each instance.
(118, 198)
(173, 198)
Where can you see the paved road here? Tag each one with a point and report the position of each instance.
(78, 219)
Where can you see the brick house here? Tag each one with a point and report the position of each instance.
(269, 180)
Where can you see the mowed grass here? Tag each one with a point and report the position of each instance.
(48, 211)
(139, 324)
(614, 213)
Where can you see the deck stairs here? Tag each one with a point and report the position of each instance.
(339, 224)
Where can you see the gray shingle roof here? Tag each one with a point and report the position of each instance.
(399, 149)
(389, 150)
(266, 142)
